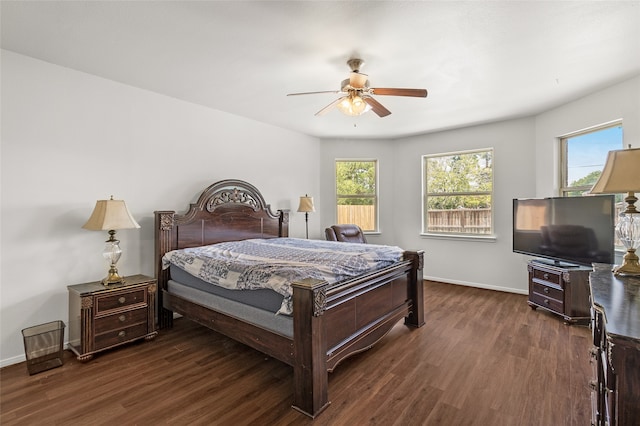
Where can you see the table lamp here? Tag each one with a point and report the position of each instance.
(621, 174)
(111, 215)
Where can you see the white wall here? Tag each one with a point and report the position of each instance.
(621, 101)
(70, 138)
(488, 264)
(381, 150)
(526, 165)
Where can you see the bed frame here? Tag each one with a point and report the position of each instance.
(330, 322)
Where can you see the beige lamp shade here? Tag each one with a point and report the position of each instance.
(110, 215)
(306, 204)
(621, 173)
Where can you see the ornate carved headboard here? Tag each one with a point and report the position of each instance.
(228, 210)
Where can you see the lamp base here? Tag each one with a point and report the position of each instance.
(630, 265)
(113, 277)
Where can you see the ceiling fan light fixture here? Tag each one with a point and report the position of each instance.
(356, 94)
(353, 105)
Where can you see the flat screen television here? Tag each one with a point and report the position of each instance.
(567, 231)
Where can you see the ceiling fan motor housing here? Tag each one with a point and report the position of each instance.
(346, 86)
(355, 64)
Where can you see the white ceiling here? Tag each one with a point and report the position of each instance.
(480, 61)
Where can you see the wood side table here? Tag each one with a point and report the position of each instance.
(103, 317)
(563, 291)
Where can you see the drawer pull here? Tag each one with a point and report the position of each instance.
(546, 276)
(122, 334)
(546, 301)
(122, 299)
(546, 290)
(122, 318)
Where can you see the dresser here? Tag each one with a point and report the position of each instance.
(615, 357)
(103, 317)
(561, 290)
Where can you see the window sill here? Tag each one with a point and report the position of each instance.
(459, 237)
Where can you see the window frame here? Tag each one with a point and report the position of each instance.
(375, 197)
(563, 188)
(425, 195)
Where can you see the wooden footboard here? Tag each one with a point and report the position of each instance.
(333, 322)
(330, 322)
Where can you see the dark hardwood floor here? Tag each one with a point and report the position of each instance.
(483, 358)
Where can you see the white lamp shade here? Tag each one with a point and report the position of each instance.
(306, 204)
(110, 215)
(621, 173)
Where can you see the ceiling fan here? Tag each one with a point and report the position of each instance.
(357, 96)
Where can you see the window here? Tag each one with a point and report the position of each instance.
(357, 193)
(458, 193)
(583, 156)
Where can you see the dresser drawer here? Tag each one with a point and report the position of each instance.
(548, 291)
(551, 277)
(595, 384)
(118, 336)
(595, 418)
(120, 300)
(547, 302)
(120, 320)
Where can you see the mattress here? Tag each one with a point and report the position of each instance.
(273, 264)
(262, 298)
(280, 324)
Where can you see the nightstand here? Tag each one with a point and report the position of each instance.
(563, 291)
(103, 317)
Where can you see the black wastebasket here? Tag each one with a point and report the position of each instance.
(43, 346)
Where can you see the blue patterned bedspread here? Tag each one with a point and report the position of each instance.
(275, 263)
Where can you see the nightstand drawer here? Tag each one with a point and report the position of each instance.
(541, 274)
(121, 320)
(548, 291)
(116, 337)
(547, 302)
(120, 300)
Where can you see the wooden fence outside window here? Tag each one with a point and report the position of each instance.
(363, 216)
(466, 221)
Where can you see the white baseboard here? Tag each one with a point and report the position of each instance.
(13, 360)
(21, 358)
(477, 285)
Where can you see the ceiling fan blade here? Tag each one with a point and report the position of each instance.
(313, 93)
(326, 109)
(376, 106)
(385, 91)
(357, 80)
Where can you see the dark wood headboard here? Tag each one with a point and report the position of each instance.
(228, 210)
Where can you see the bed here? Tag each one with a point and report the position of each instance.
(328, 321)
